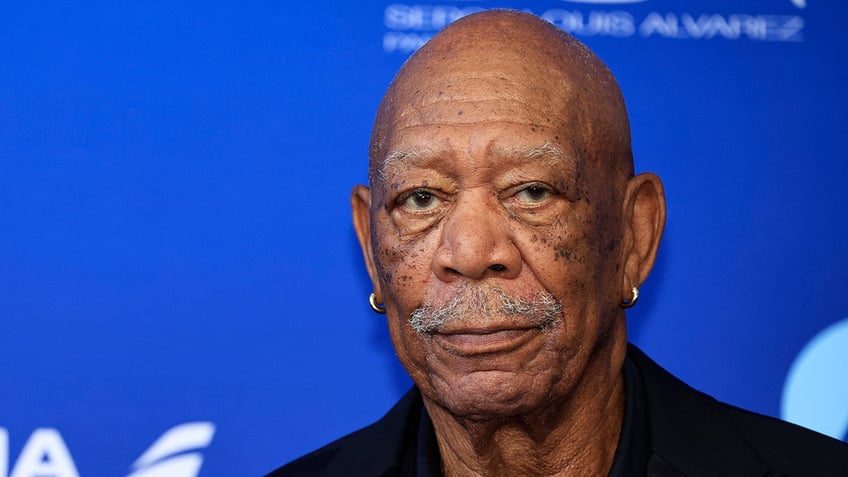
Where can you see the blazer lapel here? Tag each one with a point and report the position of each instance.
(691, 433)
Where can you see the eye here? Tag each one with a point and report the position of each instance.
(419, 200)
(534, 194)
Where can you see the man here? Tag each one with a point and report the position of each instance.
(505, 234)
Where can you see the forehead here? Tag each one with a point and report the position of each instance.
(457, 130)
(467, 92)
(493, 154)
(489, 118)
(470, 91)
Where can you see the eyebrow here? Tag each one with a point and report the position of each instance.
(546, 152)
(400, 156)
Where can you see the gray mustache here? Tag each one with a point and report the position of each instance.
(476, 304)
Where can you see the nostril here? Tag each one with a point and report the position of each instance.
(497, 267)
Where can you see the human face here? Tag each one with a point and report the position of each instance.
(486, 190)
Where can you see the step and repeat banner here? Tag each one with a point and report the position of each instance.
(181, 292)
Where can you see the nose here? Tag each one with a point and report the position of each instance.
(477, 241)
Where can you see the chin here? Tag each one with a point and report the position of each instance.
(486, 395)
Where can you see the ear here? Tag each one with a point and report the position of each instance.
(644, 221)
(360, 203)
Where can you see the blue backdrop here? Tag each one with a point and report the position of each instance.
(175, 242)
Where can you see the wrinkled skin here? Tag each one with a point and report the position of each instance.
(504, 163)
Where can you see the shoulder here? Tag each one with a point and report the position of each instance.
(373, 450)
(316, 462)
(692, 431)
(792, 449)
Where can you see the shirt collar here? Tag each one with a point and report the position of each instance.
(633, 450)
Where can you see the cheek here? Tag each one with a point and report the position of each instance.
(405, 269)
(578, 261)
(404, 266)
(564, 256)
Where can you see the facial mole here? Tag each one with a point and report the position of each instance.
(565, 253)
(459, 113)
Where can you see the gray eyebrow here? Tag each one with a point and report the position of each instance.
(398, 157)
(546, 151)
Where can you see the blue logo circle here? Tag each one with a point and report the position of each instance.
(815, 394)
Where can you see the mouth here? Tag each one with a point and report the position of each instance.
(484, 341)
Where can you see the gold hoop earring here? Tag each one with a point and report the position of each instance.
(372, 300)
(631, 302)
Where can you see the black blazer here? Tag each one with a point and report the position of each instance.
(692, 434)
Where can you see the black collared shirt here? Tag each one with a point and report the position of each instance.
(631, 454)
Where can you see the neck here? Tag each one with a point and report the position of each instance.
(575, 435)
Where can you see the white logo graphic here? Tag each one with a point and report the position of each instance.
(43, 454)
(169, 456)
(409, 26)
(815, 394)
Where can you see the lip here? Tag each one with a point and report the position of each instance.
(471, 342)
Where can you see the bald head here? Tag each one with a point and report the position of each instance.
(533, 72)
